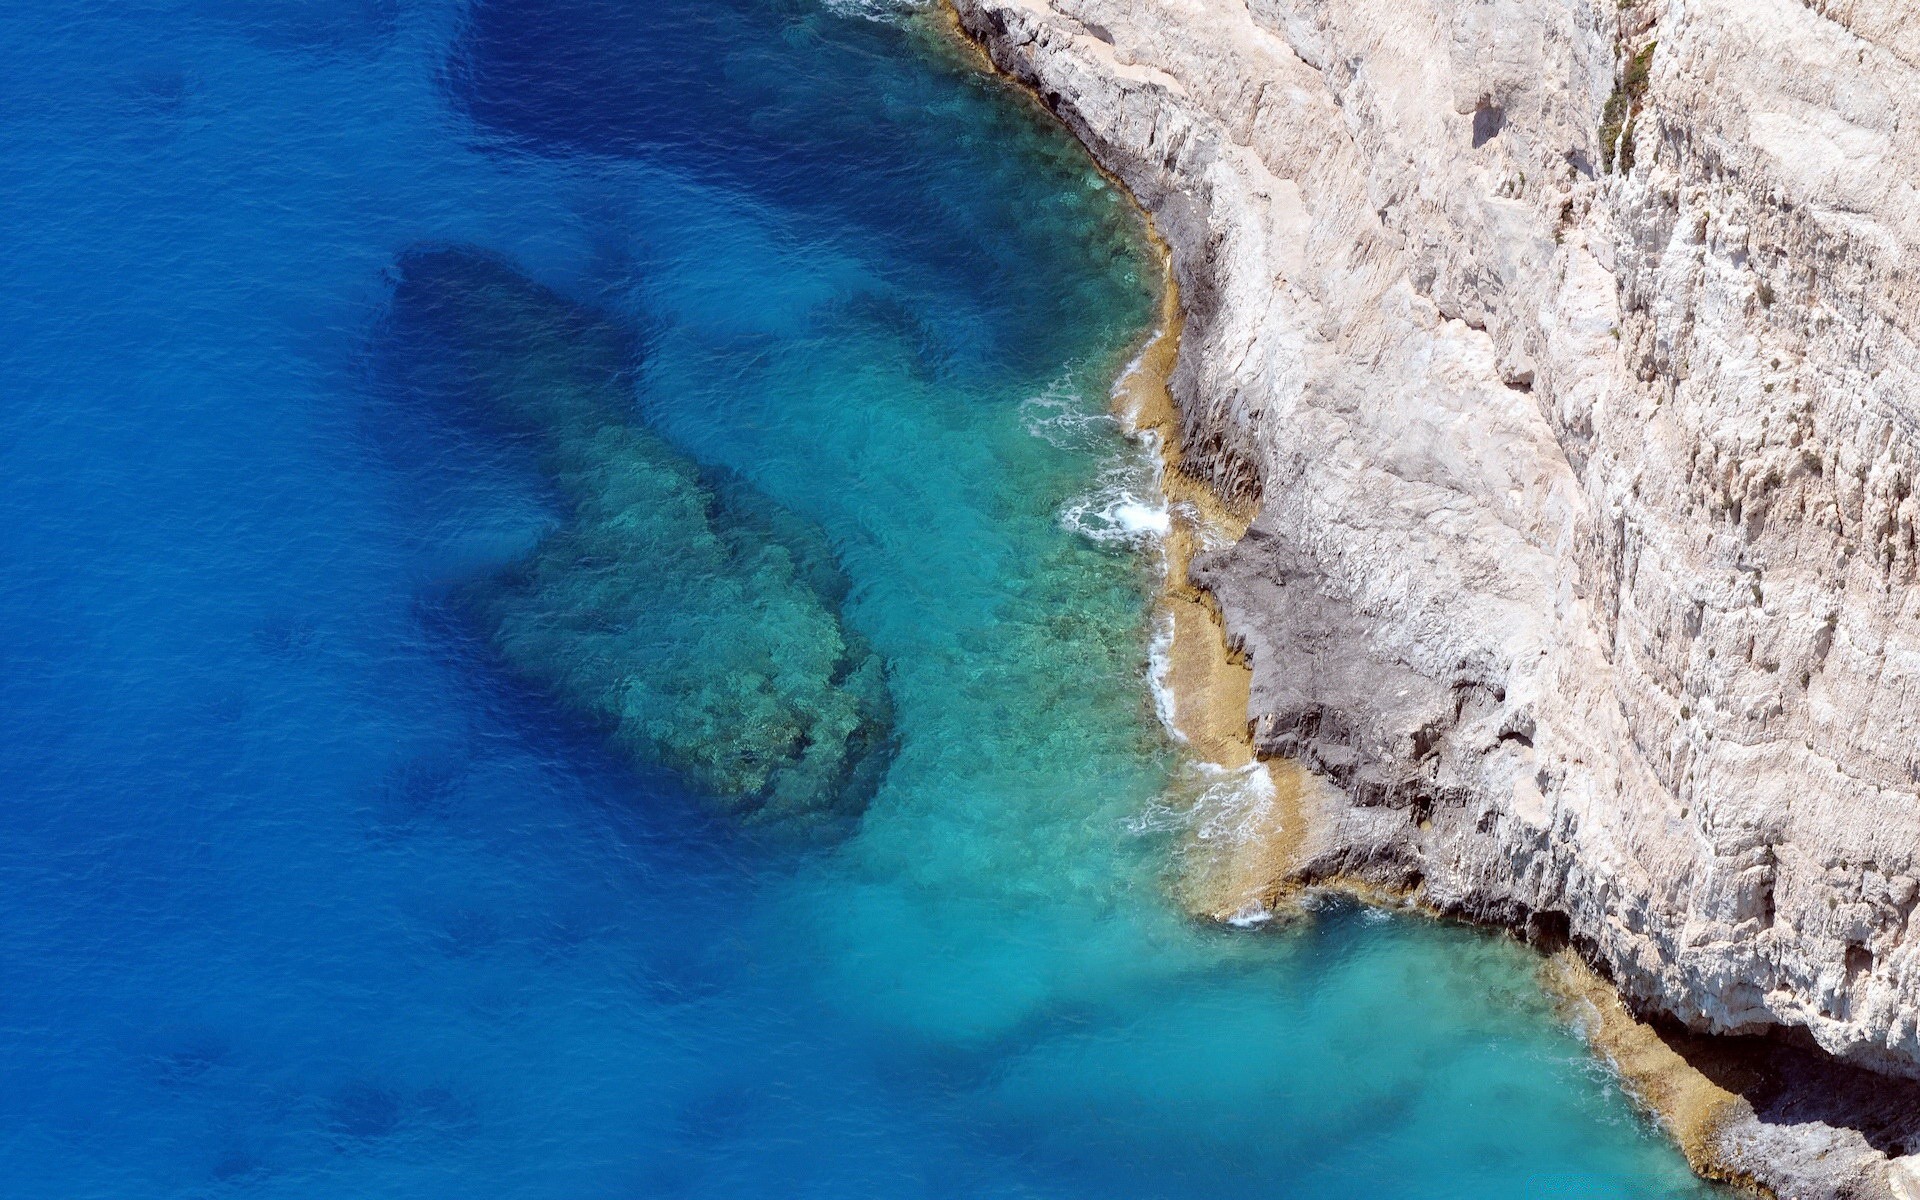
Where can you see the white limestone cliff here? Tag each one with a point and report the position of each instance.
(1569, 351)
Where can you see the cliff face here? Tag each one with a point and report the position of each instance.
(1569, 352)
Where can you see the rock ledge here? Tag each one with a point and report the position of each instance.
(1571, 354)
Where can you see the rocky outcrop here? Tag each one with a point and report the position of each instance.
(1568, 351)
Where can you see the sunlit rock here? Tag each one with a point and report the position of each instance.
(1566, 352)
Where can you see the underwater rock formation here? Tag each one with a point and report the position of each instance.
(686, 613)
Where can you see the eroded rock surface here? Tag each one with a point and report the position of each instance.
(1569, 352)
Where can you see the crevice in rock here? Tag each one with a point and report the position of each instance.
(1488, 119)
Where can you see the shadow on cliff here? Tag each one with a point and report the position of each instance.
(683, 613)
(1789, 1081)
(1784, 1076)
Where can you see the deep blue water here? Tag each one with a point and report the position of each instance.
(316, 886)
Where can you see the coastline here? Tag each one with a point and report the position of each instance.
(1486, 593)
(1246, 860)
(1246, 818)
(1250, 875)
(1687, 1103)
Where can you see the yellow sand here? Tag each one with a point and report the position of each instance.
(1245, 842)
(1670, 1084)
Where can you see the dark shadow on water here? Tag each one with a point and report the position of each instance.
(969, 194)
(692, 870)
(1784, 1075)
(318, 27)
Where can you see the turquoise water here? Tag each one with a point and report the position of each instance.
(354, 843)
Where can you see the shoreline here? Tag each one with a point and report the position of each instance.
(1689, 1105)
(1201, 688)
(1251, 878)
(1444, 398)
(1246, 815)
(1201, 685)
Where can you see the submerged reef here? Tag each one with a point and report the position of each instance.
(688, 614)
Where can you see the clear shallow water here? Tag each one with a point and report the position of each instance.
(308, 893)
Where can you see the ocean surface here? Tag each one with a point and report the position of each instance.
(557, 639)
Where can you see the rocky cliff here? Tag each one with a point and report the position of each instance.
(1568, 352)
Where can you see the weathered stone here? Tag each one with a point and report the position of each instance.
(1586, 550)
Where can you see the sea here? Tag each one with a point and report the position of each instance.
(552, 645)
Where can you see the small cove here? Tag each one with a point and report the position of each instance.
(315, 893)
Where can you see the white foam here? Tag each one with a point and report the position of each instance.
(1059, 417)
(1138, 518)
(1116, 513)
(891, 12)
(1250, 915)
(1237, 805)
(1159, 668)
(1158, 817)
(1229, 804)
(1135, 365)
